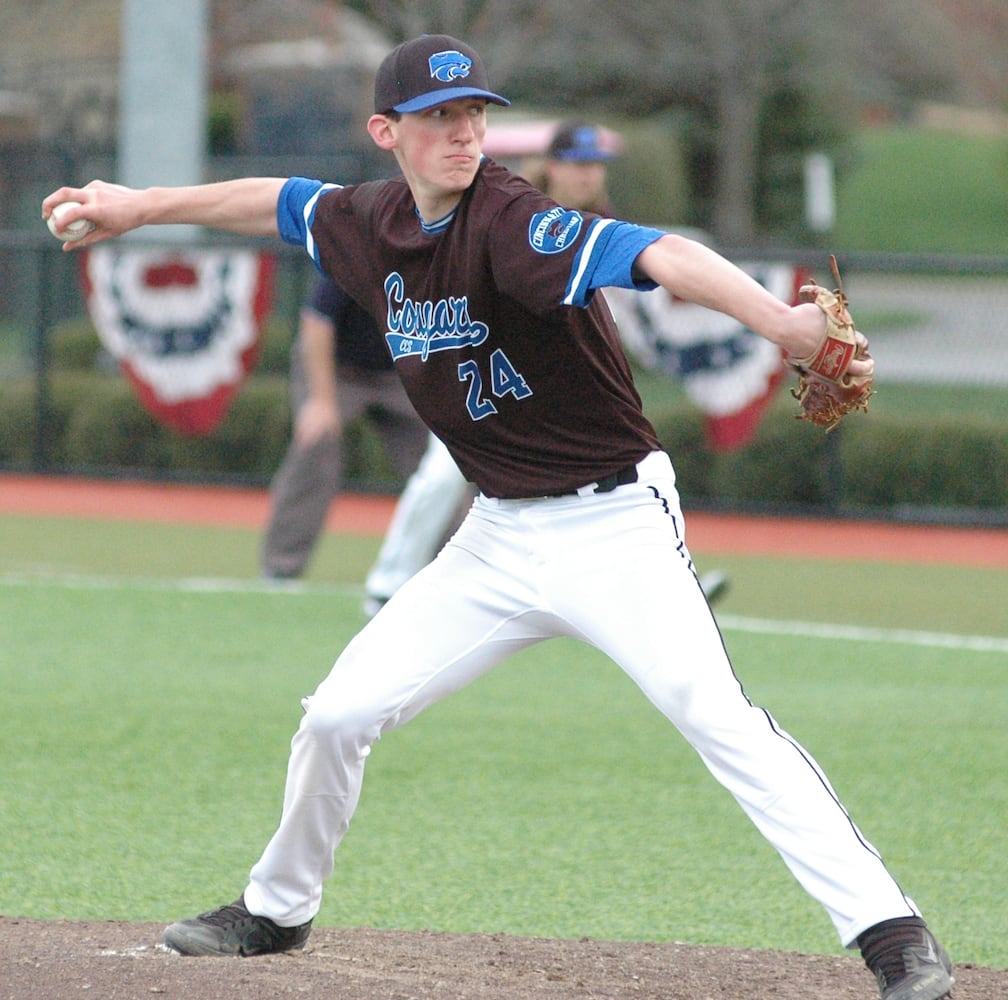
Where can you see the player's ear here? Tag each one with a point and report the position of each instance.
(382, 131)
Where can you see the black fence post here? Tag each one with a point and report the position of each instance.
(833, 487)
(40, 359)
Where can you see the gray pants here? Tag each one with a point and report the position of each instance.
(310, 477)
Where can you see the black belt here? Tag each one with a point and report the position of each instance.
(606, 484)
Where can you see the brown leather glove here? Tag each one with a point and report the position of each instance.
(825, 390)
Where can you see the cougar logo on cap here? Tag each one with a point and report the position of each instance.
(448, 66)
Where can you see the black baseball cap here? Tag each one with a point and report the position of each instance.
(430, 70)
(579, 142)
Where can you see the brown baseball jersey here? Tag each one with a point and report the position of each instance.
(492, 321)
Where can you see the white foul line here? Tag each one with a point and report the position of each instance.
(182, 585)
(732, 623)
(860, 633)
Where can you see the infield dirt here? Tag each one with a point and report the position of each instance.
(57, 960)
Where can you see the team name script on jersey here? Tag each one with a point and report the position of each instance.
(418, 328)
(422, 327)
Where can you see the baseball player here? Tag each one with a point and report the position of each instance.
(340, 369)
(424, 515)
(490, 294)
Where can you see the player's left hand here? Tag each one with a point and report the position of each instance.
(836, 376)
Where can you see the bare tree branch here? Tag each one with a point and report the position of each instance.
(726, 56)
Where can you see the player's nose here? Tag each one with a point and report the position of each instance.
(465, 128)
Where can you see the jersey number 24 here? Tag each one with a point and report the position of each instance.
(504, 381)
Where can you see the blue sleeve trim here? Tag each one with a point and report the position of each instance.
(296, 212)
(606, 259)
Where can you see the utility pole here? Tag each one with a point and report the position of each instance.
(163, 95)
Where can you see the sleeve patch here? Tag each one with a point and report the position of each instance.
(554, 231)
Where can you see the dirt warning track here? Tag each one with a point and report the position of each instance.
(53, 496)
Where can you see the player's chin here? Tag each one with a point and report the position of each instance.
(459, 173)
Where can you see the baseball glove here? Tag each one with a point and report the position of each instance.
(826, 392)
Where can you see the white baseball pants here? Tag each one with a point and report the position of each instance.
(613, 570)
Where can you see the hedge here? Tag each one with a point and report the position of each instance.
(880, 463)
(941, 468)
(949, 468)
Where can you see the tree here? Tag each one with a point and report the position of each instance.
(743, 43)
(501, 29)
(723, 59)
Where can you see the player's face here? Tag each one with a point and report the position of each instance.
(439, 149)
(577, 185)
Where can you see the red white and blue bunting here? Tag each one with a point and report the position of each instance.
(729, 372)
(184, 325)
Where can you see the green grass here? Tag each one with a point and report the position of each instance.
(144, 729)
(968, 402)
(45, 545)
(919, 190)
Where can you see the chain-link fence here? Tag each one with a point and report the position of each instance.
(932, 319)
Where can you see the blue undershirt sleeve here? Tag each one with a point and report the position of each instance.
(606, 259)
(296, 212)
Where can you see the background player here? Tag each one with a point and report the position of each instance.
(575, 170)
(340, 368)
(574, 173)
(489, 292)
(427, 511)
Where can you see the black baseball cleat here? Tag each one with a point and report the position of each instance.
(233, 931)
(908, 962)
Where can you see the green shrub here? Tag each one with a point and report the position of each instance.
(108, 428)
(680, 429)
(17, 421)
(786, 463)
(917, 463)
(366, 460)
(275, 348)
(648, 182)
(19, 416)
(891, 462)
(74, 345)
(94, 423)
(886, 463)
(249, 443)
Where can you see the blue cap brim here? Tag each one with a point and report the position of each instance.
(444, 95)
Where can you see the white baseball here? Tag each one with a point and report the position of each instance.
(75, 231)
